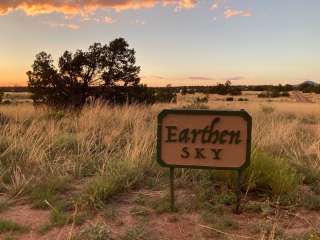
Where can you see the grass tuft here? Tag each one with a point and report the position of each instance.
(7, 226)
(272, 175)
(97, 231)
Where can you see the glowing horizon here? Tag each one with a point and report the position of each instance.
(177, 42)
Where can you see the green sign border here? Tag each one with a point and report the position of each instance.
(241, 113)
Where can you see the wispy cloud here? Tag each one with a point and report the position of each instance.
(138, 22)
(216, 4)
(157, 77)
(108, 20)
(62, 25)
(235, 78)
(201, 78)
(34, 7)
(229, 13)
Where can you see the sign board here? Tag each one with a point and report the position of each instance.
(204, 139)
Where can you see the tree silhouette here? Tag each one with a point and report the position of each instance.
(83, 74)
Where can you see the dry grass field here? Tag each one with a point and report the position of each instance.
(92, 175)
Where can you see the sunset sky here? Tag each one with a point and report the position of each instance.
(178, 42)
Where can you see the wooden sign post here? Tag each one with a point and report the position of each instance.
(204, 139)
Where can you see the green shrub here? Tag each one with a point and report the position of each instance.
(270, 174)
(48, 190)
(9, 226)
(59, 218)
(118, 176)
(228, 199)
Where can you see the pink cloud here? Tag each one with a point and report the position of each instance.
(229, 13)
(215, 4)
(108, 20)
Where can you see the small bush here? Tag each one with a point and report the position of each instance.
(97, 231)
(311, 202)
(229, 99)
(269, 174)
(7, 102)
(48, 190)
(12, 227)
(310, 176)
(59, 218)
(137, 232)
(119, 176)
(228, 199)
(198, 103)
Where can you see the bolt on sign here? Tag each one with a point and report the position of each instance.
(204, 139)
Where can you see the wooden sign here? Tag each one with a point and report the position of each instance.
(204, 139)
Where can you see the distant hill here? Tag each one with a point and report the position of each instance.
(309, 83)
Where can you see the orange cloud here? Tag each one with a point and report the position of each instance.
(34, 7)
(228, 13)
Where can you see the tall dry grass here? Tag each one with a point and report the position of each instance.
(113, 148)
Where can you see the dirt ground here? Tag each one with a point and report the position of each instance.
(124, 215)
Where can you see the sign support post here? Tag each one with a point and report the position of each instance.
(172, 189)
(238, 192)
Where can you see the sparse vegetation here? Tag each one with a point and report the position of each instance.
(75, 165)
